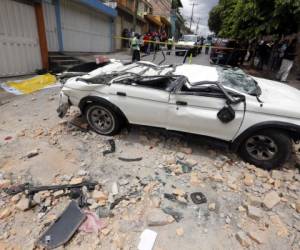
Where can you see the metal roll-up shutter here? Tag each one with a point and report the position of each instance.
(19, 41)
(85, 29)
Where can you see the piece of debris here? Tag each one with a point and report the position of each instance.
(80, 123)
(180, 231)
(279, 226)
(271, 199)
(114, 188)
(130, 159)
(32, 153)
(242, 238)
(298, 206)
(212, 206)
(7, 138)
(157, 217)
(5, 213)
(176, 215)
(112, 147)
(92, 223)
(23, 204)
(254, 212)
(4, 184)
(147, 240)
(186, 168)
(63, 228)
(256, 236)
(100, 197)
(248, 179)
(198, 198)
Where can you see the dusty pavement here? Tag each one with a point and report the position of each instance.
(246, 207)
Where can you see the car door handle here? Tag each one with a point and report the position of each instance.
(181, 103)
(121, 93)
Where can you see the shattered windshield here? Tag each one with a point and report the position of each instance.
(237, 79)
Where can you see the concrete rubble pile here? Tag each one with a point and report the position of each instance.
(172, 196)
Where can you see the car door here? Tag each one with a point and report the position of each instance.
(196, 112)
(140, 104)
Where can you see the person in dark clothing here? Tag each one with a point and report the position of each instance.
(201, 44)
(287, 61)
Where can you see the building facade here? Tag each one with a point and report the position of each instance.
(29, 29)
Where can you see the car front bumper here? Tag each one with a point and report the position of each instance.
(64, 105)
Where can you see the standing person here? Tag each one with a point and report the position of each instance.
(201, 44)
(207, 44)
(135, 47)
(170, 45)
(287, 61)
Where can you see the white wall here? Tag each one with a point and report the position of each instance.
(19, 42)
(83, 29)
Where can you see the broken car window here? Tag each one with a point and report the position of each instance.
(237, 79)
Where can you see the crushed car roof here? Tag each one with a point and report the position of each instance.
(194, 73)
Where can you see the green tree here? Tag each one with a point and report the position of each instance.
(253, 18)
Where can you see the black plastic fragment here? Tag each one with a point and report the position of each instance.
(130, 159)
(12, 190)
(176, 215)
(62, 230)
(112, 147)
(171, 197)
(198, 198)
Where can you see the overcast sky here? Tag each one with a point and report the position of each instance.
(200, 10)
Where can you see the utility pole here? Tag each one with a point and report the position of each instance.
(136, 6)
(192, 16)
(197, 27)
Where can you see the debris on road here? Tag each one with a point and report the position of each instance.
(157, 217)
(112, 148)
(92, 223)
(147, 240)
(210, 192)
(32, 153)
(63, 228)
(176, 215)
(198, 198)
(130, 159)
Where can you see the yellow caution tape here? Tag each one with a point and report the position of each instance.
(176, 44)
(33, 84)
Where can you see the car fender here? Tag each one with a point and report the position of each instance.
(292, 130)
(100, 100)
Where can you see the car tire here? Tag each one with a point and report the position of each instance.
(103, 119)
(268, 149)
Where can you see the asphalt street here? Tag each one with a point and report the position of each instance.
(158, 58)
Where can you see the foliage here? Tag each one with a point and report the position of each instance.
(254, 18)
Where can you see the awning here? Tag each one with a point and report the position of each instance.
(154, 19)
(165, 21)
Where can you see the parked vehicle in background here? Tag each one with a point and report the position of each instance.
(257, 118)
(222, 51)
(188, 43)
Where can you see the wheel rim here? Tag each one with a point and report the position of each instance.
(261, 147)
(102, 120)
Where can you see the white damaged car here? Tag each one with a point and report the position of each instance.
(258, 118)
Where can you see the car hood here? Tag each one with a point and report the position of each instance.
(185, 43)
(281, 99)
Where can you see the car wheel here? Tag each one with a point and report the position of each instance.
(103, 119)
(267, 149)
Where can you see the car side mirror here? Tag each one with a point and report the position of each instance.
(226, 114)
